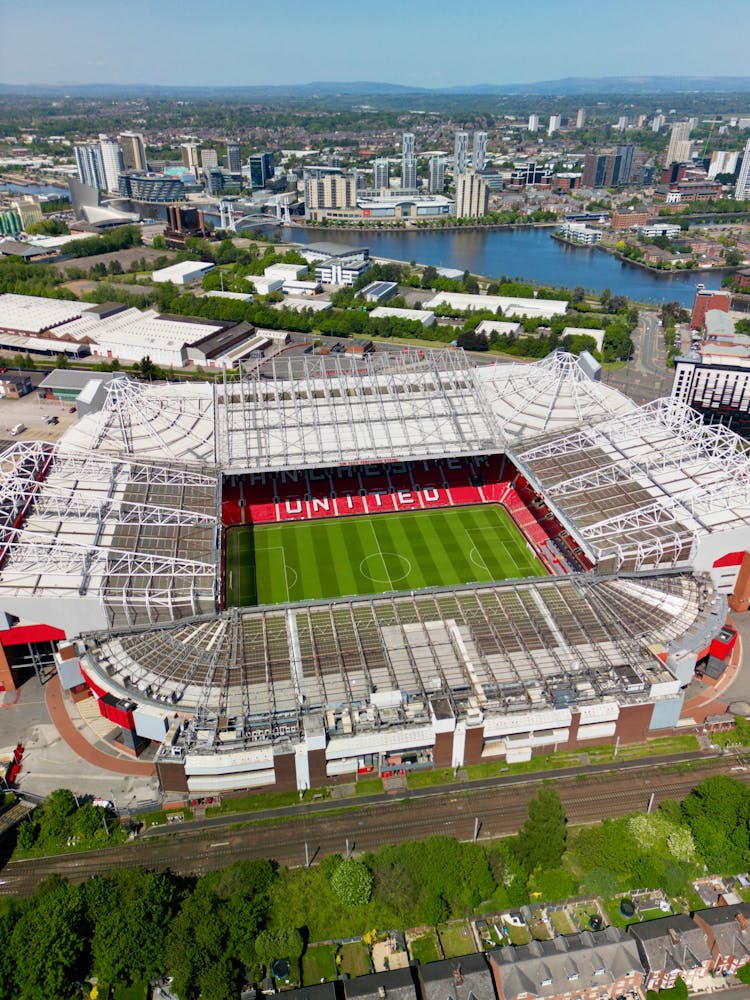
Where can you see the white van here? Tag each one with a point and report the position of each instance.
(18, 429)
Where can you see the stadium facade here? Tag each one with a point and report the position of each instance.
(116, 535)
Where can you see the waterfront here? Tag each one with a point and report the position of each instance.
(523, 252)
(8, 187)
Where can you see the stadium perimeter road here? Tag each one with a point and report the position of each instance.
(500, 807)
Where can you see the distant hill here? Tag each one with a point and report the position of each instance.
(569, 86)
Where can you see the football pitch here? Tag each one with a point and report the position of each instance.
(346, 556)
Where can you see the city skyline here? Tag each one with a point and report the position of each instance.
(80, 50)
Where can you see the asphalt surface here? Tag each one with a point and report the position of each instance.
(501, 811)
(646, 375)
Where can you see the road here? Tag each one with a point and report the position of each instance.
(501, 811)
(646, 376)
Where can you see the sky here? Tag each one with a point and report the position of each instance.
(427, 43)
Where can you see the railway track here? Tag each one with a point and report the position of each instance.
(500, 812)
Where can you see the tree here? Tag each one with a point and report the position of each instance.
(352, 883)
(147, 368)
(284, 943)
(579, 294)
(542, 841)
(62, 361)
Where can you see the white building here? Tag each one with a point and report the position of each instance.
(287, 272)
(742, 190)
(504, 304)
(112, 163)
(479, 156)
(423, 316)
(579, 232)
(533, 125)
(183, 273)
(340, 270)
(437, 174)
(581, 118)
(654, 229)
(265, 285)
(554, 124)
(460, 152)
(680, 148)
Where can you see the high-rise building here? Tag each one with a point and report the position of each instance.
(189, 152)
(625, 167)
(479, 158)
(622, 123)
(112, 162)
(133, 151)
(209, 159)
(460, 153)
(472, 196)
(214, 181)
(722, 162)
(742, 190)
(533, 125)
(408, 162)
(437, 174)
(261, 169)
(234, 157)
(658, 122)
(680, 147)
(380, 173)
(90, 166)
(554, 124)
(329, 187)
(608, 169)
(581, 118)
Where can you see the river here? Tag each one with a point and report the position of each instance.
(524, 253)
(37, 189)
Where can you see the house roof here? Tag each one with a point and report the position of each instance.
(726, 926)
(458, 979)
(577, 963)
(397, 984)
(671, 943)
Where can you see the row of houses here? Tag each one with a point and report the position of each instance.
(595, 965)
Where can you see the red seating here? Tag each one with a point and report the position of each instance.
(402, 486)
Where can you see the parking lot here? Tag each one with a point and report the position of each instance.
(30, 411)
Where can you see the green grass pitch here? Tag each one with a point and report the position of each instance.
(346, 556)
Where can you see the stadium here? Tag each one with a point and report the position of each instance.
(329, 566)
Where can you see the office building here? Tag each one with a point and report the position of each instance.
(742, 190)
(472, 196)
(437, 174)
(554, 124)
(581, 118)
(261, 169)
(234, 157)
(112, 163)
(214, 181)
(680, 148)
(209, 159)
(533, 125)
(133, 151)
(89, 163)
(479, 159)
(380, 174)
(151, 188)
(461, 153)
(190, 161)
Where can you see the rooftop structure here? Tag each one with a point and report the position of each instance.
(505, 305)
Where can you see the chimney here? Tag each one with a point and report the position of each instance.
(674, 935)
(457, 975)
(742, 921)
(381, 992)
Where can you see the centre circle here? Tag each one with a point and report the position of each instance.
(385, 567)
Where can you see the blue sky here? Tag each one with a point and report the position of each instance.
(415, 42)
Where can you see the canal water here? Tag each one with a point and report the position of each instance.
(523, 253)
